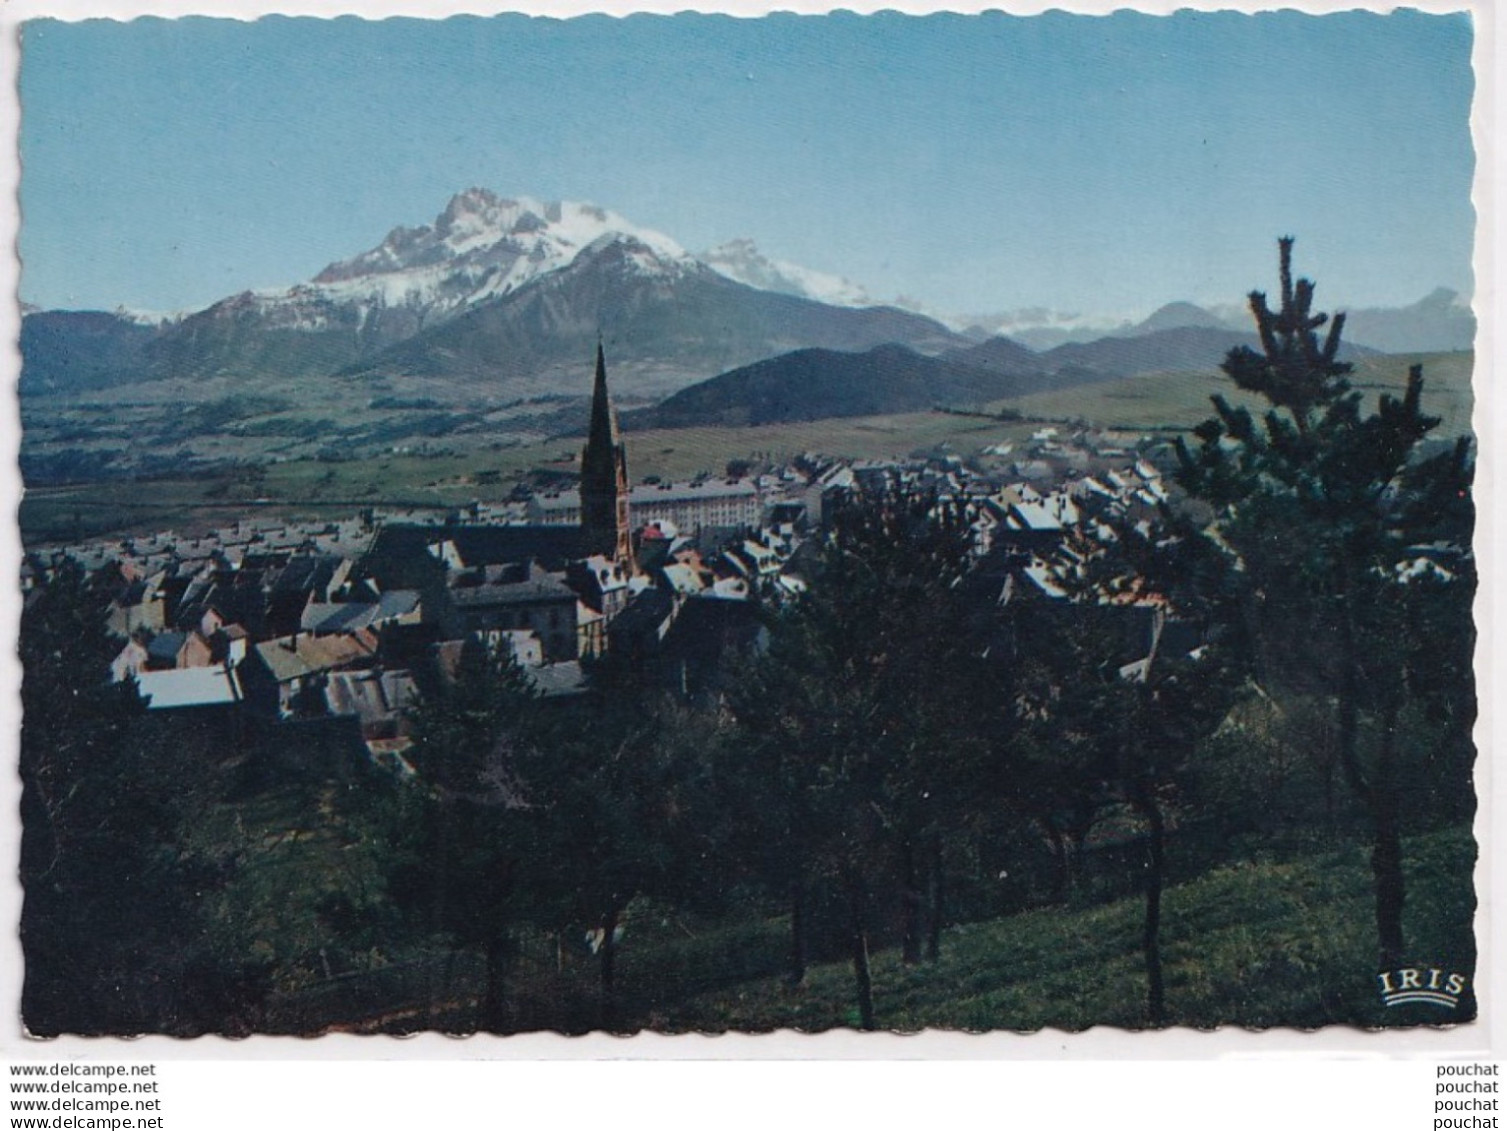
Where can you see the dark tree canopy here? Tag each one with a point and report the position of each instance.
(1338, 530)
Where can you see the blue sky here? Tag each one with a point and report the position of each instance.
(973, 163)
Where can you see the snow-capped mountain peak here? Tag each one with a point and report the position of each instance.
(152, 319)
(741, 261)
(480, 246)
(643, 256)
(492, 240)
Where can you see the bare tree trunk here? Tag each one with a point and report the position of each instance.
(1380, 796)
(798, 931)
(859, 943)
(1349, 732)
(1386, 850)
(1329, 760)
(1349, 707)
(608, 958)
(1058, 846)
(934, 938)
(494, 1004)
(910, 906)
(439, 909)
(1151, 943)
(1074, 862)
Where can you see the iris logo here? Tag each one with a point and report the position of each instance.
(1421, 984)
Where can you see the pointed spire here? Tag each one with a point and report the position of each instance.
(604, 429)
(604, 476)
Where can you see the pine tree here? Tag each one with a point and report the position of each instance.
(1095, 735)
(1322, 507)
(856, 725)
(466, 836)
(107, 898)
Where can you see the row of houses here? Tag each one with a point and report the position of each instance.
(293, 634)
(347, 619)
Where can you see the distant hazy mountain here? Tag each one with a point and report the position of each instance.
(999, 355)
(741, 261)
(1043, 330)
(63, 350)
(817, 384)
(1038, 327)
(1176, 316)
(1440, 321)
(1183, 349)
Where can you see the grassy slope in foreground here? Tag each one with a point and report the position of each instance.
(1256, 944)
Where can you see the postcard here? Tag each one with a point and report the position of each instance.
(812, 523)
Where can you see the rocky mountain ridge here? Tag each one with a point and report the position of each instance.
(513, 292)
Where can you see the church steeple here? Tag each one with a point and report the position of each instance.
(604, 477)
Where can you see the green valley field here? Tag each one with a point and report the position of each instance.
(447, 470)
(1179, 400)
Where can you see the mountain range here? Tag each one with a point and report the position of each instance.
(667, 323)
(511, 292)
(502, 298)
(1438, 322)
(817, 384)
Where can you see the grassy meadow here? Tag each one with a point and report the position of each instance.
(1179, 400)
(272, 470)
(306, 488)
